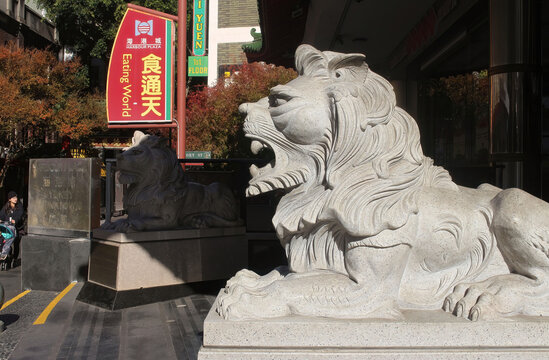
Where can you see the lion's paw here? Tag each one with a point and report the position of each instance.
(241, 303)
(471, 301)
(251, 280)
(197, 221)
(243, 276)
(122, 225)
(107, 225)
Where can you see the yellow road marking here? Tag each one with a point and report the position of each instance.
(9, 302)
(44, 316)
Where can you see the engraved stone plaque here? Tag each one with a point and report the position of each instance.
(64, 196)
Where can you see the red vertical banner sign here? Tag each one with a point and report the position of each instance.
(141, 70)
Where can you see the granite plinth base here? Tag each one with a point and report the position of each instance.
(156, 263)
(50, 263)
(110, 299)
(420, 335)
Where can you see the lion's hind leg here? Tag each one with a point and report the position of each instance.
(521, 226)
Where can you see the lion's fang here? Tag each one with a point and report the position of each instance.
(256, 147)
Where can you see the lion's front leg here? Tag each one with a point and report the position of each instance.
(121, 225)
(371, 292)
(315, 293)
(135, 224)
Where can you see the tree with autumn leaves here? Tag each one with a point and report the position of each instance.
(42, 99)
(213, 120)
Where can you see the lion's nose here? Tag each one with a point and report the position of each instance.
(243, 108)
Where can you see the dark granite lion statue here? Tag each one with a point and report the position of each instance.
(159, 197)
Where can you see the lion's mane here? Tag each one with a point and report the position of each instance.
(163, 179)
(371, 170)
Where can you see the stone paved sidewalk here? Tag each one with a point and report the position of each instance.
(75, 330)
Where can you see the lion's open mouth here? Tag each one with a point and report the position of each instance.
(283, 169)
(127, 178)
(279, 173)
(260, 148)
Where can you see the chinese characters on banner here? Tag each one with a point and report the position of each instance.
(140, 77)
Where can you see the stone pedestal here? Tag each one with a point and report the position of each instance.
(420, 335)
(64, 198)
(129, 269)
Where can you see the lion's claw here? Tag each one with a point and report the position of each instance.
(475, 313)
(447, 305)
(476, 302)
(459, 309)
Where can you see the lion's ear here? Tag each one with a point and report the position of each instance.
(310, 61)
(137, 137)
(339, 61)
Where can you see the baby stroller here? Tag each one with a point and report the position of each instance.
(7, 236)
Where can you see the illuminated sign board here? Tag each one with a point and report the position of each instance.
(199, 27)
(141, 68)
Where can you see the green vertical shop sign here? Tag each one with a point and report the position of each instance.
(199, 27)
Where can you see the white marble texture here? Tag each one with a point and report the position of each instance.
(370, 226)
(417, 335)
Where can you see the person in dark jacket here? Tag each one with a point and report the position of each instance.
(12, 214)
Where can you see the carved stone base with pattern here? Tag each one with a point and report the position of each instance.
(418, 335)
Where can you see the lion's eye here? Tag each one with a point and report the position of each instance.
(275, 101)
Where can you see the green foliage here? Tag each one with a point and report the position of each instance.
(213, 121)
(90, 26)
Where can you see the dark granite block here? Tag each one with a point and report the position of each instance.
(50, 263)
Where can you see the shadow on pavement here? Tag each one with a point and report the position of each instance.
(9, 319)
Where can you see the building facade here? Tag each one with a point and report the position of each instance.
(473, 73)
(230, 25)
(24, 23)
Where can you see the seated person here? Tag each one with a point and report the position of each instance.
(12, 214)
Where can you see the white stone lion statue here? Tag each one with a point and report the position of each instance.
(370, 226)
(158, 196)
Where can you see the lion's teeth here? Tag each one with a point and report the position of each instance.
(256, 147)
(254, 170)
(264, 187)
